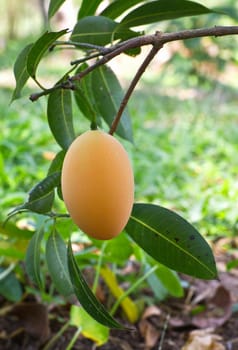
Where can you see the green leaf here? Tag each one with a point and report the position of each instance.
(91, 329)
(10, 287)
(100, 31)
(228, 11)
(108, 95)
(170, 281)
(56, 258)
(88, 8)
(10, 230)
(39, 48)
(86, 297)
(171, 240)
(54, 6)
(159, 290)
(118, 250)
(32, 259)
(60, 117)
(116, 8)
(41, 197)
(96, 30)
(84, 97)
(161, 10)
(167, 277)
(20, 72)
(57, 162)
(11, 252)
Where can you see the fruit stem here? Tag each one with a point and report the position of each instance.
(156, 47)
(93, 125)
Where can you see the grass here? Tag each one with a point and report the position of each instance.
(184, 155)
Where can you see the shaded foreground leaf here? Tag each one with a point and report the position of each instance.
(56, 257)
(108, 95)
(32, 259)
(161, 10)
(84, 97)
(60, 117)
(86, 297)
(171, 240)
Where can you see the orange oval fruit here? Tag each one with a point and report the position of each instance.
(98, 184)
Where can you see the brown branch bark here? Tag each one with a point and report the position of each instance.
(156, 47)
(154, 39)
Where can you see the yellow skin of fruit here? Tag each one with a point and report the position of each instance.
(98, 184)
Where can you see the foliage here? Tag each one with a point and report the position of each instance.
(161, 233)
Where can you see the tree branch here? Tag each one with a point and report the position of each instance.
(154, 39)
(133, 83)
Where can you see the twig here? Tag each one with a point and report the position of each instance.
(164, 331)
(157, 46)
(154, 39)
(92, 47)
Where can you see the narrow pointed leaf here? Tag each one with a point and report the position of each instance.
(56, 257)
(84, 97)
(161, 10)
(86, 297)
(41, 197)
(39, 48)
(60, 117)
(54, 6)
(116, 8)
(108, 95)
(171, 240)
(88, 8)
(20, 72)
(57, 162)
(32, 260)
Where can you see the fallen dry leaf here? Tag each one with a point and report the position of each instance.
(33, 317)
(148, 330)
(151, 311)
(218, 309)
(203, 339)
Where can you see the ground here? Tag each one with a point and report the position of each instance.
(208, 306)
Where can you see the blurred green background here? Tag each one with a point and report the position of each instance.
(184, 113)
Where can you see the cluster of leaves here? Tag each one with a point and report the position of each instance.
(165, 236)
